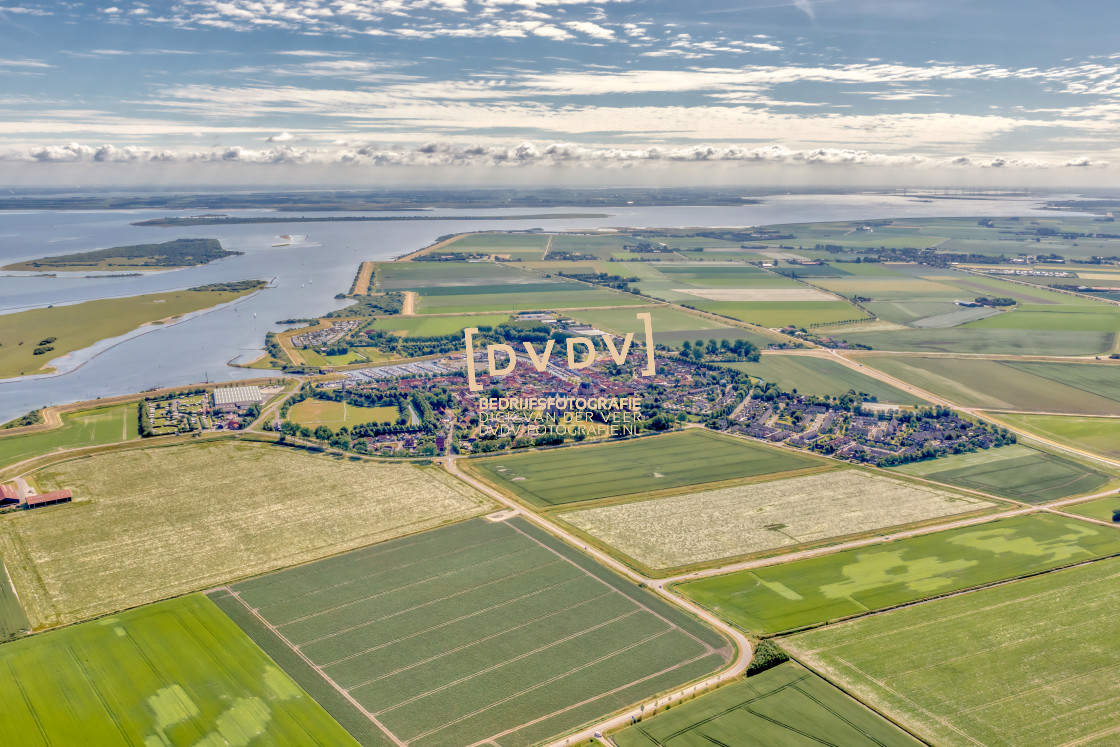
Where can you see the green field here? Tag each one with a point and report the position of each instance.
(334, 415)
(150, 523)
(786, 705)
(13, 620)
(1100, 318)
(420, 275)
(436, 326)
(1097, 435)
(670, 326)
(80, 325)
(990, 341)
(1030, 664)
(783, 597)
(523, 297)
(822, 377)
(571, 475)
(775, 314)
(1017, 472)
(484, 631)
(178, 672)
(1075, 388)
(518, 244)
(1102, 509)
(102, 425)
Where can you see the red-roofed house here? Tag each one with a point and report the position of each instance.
(8, 495)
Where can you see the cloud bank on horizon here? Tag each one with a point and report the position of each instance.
(165, 88)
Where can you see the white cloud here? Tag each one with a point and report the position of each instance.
(593, 30)
(523, 154)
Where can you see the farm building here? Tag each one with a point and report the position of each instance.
(8, 495)
(234, 398)
(49, 499)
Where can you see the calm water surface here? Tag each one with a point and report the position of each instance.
(319, 262)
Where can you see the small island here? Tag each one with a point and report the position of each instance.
(168, 255)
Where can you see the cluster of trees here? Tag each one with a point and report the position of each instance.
(740, 348)
(385, 305)
(236, 286)
(449, 257)
(985, 301)
(32, 418)
(605, 279)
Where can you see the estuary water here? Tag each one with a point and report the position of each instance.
(307, 270)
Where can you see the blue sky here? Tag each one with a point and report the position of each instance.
(337, 89)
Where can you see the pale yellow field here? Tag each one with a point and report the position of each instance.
(700, 527)
(153, 523)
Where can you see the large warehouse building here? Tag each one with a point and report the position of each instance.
(236, 398)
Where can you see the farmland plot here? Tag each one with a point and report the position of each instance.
(133, 535)
(776, 598)
(1017, 472)
(478, 632)
(177, 672)
(572, 475)
(783, 705)
(1032, 663)
(701, 527)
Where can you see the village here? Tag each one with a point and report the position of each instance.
(867, 432)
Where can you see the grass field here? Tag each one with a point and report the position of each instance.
(1100, 318)
(13, 620)
(786, 705)
(820, 376)
(436, 326)
(80, 325)
(1102, 509)
(526, 297)
(782, 313)
(990, 341)
(482, 631)
(1098, 435)
(103, 425)
(571, 475)
(700, 527)
(316, 412)
(150, 523)
(1075, 388)
(178, 672)
(670, 326)
(1018, 472)
(806, 592)
(1031, 664)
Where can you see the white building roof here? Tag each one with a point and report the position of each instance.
(237, 394)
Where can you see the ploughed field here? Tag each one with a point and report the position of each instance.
(559, 477)
(701, 527)
(149, 523)
(1031, 663)
(177, 672)
(481, 631)
(777, 598)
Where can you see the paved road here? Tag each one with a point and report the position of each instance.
(743, 645)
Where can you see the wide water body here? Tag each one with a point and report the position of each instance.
(320, 262)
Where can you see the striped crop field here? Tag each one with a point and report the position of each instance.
(479, 632)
